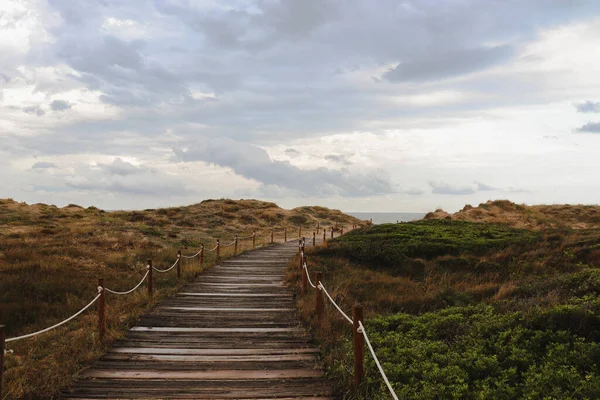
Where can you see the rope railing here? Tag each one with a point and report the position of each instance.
(361, 329)
(14, 339)
(308, 277)
(321, 287)
(213, 249)
(168, 269)
(358, 327)
(195, 255)
(229, 244)
(134, 288)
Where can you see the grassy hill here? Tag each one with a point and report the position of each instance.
(50, 259)
(536, 217)
(463, 309)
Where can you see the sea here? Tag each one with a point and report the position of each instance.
(387, 218)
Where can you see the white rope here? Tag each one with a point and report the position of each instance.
(361, 329)
(228, 244)
(246, 237)
(132, 290)
(321, 287)
(308, 276)
(168, 269)
(195, 255)
(60, 323)
(214, 248)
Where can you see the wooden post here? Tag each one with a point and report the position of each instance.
(178, 264)
(303, 243)
(299, 245)
(300, 232)
(332, 233)
(202, 254)
(304, 282)
(319, 298)
(218, 249)
(314, 239)
(318, 227)
(272, 240)
(359, 346)
(150, 278)
(235, 245)
(285, 235)
(342, 230)
(324, 235)
(2, 347)
(101, 311)
(253, 240)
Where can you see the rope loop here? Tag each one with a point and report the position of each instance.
(195, 255)
(308, 276)
(134, 288)
(168, 269)
(56, 325)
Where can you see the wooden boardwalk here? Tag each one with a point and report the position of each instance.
(232, 334)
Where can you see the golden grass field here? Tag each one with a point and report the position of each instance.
(51, 258)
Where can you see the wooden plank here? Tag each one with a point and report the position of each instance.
(210, 330)
(228, 309)
(243, 284)
(203, 375)
(207, 352)
(233, 294)
(225, 358)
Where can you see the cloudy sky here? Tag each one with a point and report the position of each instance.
(354, 104)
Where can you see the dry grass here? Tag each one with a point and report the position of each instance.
(51, 258)
(538, 217)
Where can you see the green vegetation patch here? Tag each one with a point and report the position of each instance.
(477, 353)
(393, 245)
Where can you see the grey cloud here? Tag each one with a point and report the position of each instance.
(482, 187)
(148, 188)
(292, 153)
(254, 163)
(274, 60)
(37, 110)
(43, 165)
(445, 188)
(588, 107)
(590, 127)
(338, 158)
(120, 178)
(118, 69)
(414, 192)
(299, 18)
(122, 168)
(450, 64)
(60, 105)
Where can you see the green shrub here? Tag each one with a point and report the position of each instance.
(476, 352)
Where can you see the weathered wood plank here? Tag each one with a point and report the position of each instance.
(224, 374)
(206, 352)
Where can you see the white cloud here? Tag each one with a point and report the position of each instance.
(370, 100)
